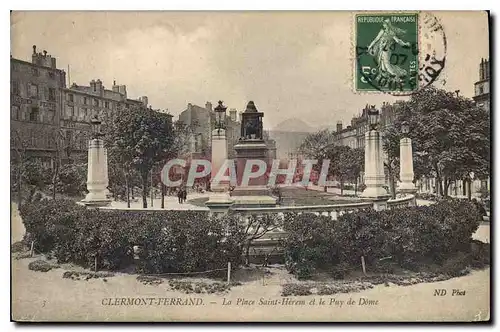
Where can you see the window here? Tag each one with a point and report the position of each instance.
(51, 74)
(50, 116)
(33, 90)
(52, 94)
(481, 90)
(85, 100)
(69, 111)
(34, 114)
(71, 97)
(106, 104)
(35, 72)
(15, 88)
(14, 112)
(82, 114)
(85, 114)
(96, 102)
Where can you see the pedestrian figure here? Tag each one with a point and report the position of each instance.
(179, 195)
(184, 195)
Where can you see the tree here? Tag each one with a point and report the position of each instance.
(340, 164)
(138, 139)
(316, 146)
(391, 142)
(356, 159)
(20, 145)
(256, 227)
(450, 136)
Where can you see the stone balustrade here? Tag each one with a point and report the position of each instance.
(401, 202)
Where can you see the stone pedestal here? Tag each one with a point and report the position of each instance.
(106, 179)
(256, 193)
(97, 175)
(406, 167)
(374, 167)
(219, 201)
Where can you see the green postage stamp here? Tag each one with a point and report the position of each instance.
(386, 52)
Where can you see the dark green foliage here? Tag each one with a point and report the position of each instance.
(409, 238)
(170, 241)
(308, 245)
(18, 246)
(40, 265)
(296, 290)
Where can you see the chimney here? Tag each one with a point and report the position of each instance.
(486, 69)
(232, 114)
(115, 87)
(189, 107)
(481, 69)
(339, 126)
(34, 49)
(98, 86)
(92, 86)
(208, 106)
(144, 100)
(240, 116)
(44, 53)
(122, 89)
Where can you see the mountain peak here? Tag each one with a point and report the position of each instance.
(294, 125)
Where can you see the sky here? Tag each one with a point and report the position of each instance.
(291, 64)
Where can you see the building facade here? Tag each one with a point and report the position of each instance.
(48, 117)
(36, 104)
(482, 87)
(201, 122)
(80, 103)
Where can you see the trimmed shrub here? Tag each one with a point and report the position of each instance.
(308, 245)
(170, 241)
(410, 238)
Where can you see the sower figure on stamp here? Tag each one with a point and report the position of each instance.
(383, 45)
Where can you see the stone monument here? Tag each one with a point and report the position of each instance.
(406, 160)
(97, 169)
(219, 201)
(374, 163)
(252, 147)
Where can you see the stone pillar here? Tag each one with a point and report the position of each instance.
(406, 166)
(97, 176)
(106, 179)
(219, 201)
(374, 167)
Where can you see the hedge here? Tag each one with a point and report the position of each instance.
(409, 237)
(170, 241)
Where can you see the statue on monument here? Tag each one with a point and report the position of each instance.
(252, 123)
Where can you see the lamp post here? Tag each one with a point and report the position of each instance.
(220, 117)
(406, 174)
(97, 168)
(374, 163)
(219, 201)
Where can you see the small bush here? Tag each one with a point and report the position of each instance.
(18, 246)
(296, 290)
(147, 280)
(189, 287)
(40, 265)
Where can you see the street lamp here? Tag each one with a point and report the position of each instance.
(96, 127)
(373, 117)
(220, 116)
